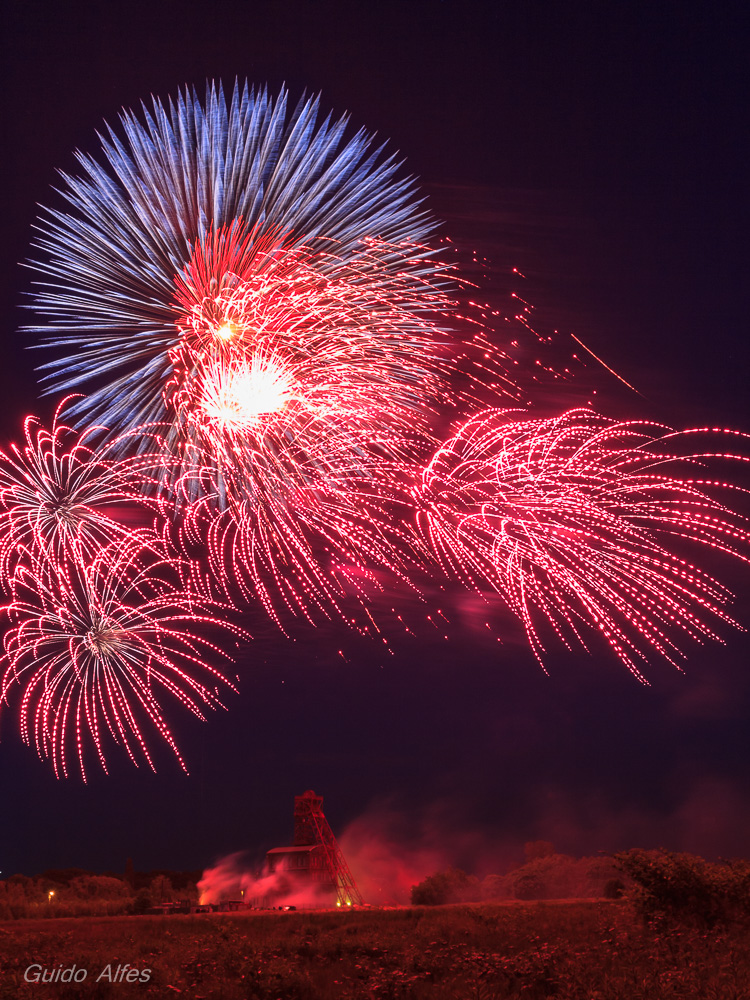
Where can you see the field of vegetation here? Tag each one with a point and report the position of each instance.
(597, 950)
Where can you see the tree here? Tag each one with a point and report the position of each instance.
(451, 886)
(99, 887)
(142, 901)
(686, 887)
(63, 876)
(161, 890)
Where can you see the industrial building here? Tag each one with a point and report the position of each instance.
(313, 867)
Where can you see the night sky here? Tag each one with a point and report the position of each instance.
(602, 150)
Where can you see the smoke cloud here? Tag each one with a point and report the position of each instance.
(233, 877)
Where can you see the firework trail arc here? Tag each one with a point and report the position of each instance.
(569, 520)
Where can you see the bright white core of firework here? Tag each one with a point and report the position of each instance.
(226, 331)
(240, 393)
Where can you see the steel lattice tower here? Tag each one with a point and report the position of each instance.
(311, 827)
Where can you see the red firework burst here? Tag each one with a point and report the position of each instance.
(60, 491)
(300, 385)
(295, 354)
(569, 519)
(94, 648)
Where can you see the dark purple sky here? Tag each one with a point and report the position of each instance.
(602, 149)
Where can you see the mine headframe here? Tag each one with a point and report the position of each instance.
(311, 827)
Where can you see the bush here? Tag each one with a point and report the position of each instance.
(528, 885)
(142, 901)
(686, 887)
(452, 886)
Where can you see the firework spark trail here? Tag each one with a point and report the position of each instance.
(58, 493)
(310, 557)
(95, 647)
(568, 518)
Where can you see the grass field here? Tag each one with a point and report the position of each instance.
(584, 949)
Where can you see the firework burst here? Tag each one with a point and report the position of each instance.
(256, 291)
(294, 371)
(60, 492)
(248, 298)
(299, 390)
(169, 187)
(96, 647)
(569, 520)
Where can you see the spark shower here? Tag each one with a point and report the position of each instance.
(257, 347)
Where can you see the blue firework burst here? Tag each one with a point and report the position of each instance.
(176, 174)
